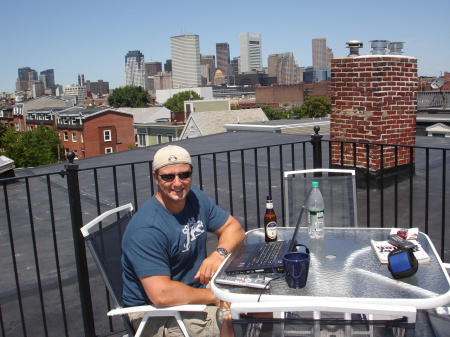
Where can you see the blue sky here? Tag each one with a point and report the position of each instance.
(92, 37)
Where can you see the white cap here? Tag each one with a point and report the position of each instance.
(169, 155)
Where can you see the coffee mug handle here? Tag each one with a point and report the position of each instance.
(302, 245)
(275, 272)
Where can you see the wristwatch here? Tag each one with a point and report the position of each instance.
(222, 251)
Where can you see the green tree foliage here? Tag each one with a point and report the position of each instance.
(128, 96)
(273, 114)
(176, 102)
(32, 148)
(314, 106)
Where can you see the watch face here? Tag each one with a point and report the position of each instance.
(222, 251)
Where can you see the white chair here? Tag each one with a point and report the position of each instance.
(104, 243)
(338, 187)
(319, 318)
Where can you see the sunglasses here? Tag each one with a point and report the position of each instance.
(171, 177)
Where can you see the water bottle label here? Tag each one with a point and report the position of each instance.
(271, 230)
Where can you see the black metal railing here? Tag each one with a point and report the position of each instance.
(50, 286)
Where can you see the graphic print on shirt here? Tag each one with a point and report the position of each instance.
(192, 230)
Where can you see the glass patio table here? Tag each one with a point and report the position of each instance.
(344, 267)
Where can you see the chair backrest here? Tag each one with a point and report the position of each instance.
(338, 187)
(104, 243)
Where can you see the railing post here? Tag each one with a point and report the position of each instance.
(316, 141)
(73, 188)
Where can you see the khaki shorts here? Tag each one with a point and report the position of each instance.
(205, 323)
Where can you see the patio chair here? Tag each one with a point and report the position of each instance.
(319, 318)
(104, 243)
(338, 187)
(440, 317)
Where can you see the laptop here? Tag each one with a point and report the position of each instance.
(260, 257)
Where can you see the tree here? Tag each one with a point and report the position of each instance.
(273, 114)
(128, 96)
(314, 106)
(32, 148)
(176, 102)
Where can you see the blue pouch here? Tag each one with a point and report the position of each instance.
(402, 263)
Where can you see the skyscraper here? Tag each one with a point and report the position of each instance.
(208, 66)
(223, 56)
(135, 69)
(283, 67)
(319, 53)
(48, 77)
(186, 70)
(251, 52)
(152, 68)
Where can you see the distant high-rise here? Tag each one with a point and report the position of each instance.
(283, 67)
(135, 69)
(208, 65)
(48, 77)
(168, 66)
(152, 68)
(23, 73)
(319, 53)
(223, 56)
(186, 69)
(251, 52)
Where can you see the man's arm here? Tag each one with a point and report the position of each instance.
(163, 292)
(230, 236)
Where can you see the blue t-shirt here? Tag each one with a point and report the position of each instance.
(157, 242)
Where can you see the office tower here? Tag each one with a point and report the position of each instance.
(223, 56)
(38, 89)
(23, 73)
(208, 63)
(319, 53)
(283, 67)
(233, 70)
(135, 69)
(251, 52)
(330, 56)
(97, 88)
(48, 77)
(186, 70)
(168, 66)
(152, 68)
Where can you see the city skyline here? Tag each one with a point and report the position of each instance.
(287, 28)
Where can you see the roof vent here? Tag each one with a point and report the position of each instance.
(354, 46)
(396, 48)
(379, 47)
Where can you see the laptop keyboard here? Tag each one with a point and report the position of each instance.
(266, 254)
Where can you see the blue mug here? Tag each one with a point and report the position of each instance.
(296, 268)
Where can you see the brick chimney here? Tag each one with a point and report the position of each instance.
(374, 100)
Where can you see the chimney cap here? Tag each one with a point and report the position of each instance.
(354, 45)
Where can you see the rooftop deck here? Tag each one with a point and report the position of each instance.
(50, 285)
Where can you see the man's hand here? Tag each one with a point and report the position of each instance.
(209, 267)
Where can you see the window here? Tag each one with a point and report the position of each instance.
(17, 126)
(142, 139)
(66, 136)
(159, 137)
(107, 135)
(74, 137)
(170, 138)
(108, 150)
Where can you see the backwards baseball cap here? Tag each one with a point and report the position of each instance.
(169, 155)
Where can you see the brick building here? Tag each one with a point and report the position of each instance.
(280, 94)
(92, 132)
(374, 100)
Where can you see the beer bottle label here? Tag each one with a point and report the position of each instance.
(271, 230)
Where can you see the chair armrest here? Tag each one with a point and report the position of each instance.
(151, 308)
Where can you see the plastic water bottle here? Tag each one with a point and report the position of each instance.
(315, 212)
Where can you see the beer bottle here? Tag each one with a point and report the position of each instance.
(270, 221)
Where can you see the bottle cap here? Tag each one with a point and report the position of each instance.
(315, 184)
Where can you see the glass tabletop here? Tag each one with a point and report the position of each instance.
(344, 266)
